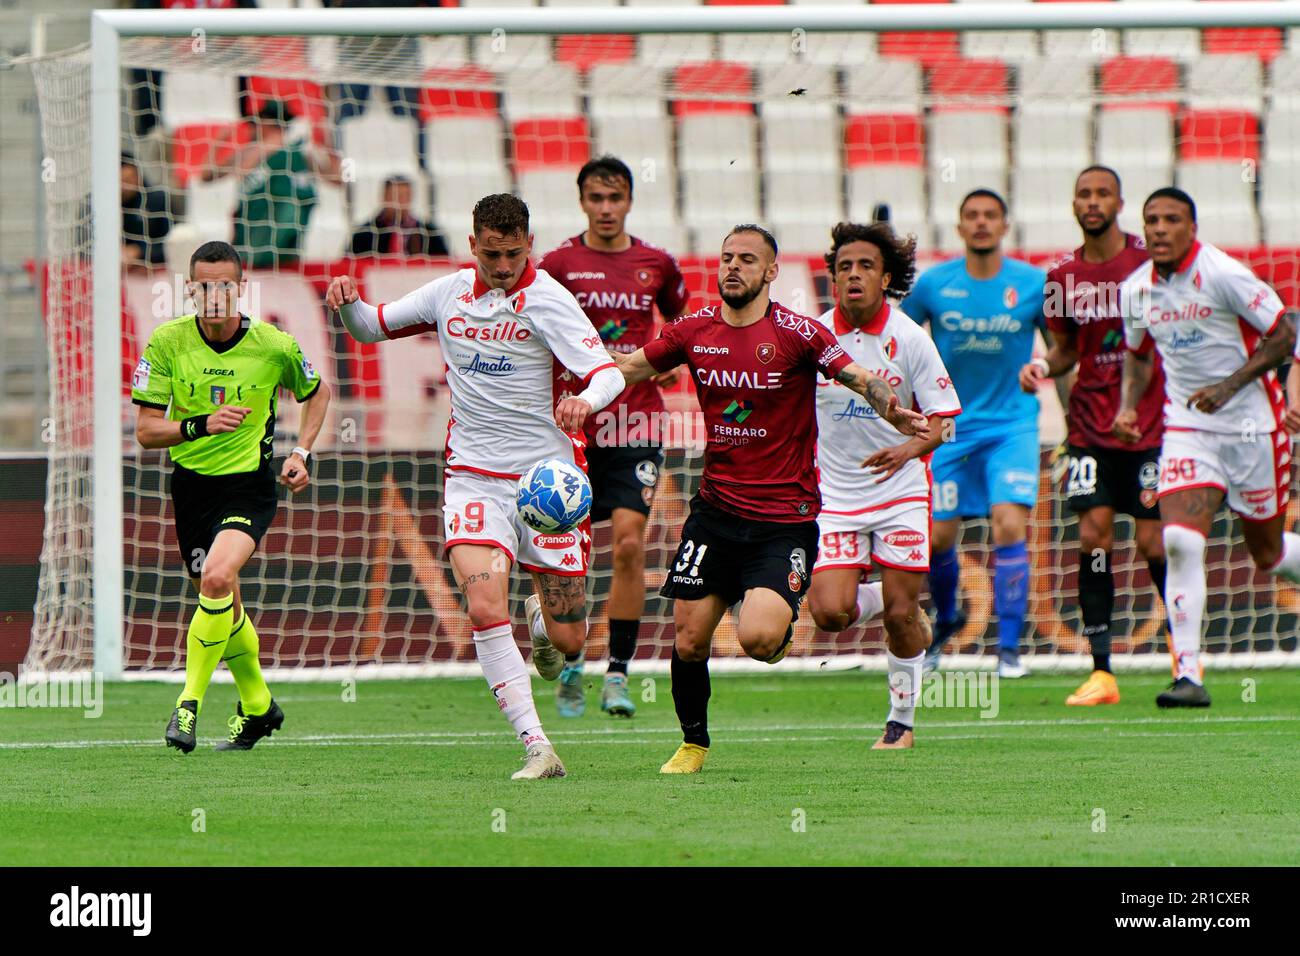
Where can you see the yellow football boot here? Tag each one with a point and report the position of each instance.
(1099, 688)
(688, 759)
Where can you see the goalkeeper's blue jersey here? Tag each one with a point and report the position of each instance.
(984, 329)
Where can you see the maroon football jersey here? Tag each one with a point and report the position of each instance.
(1083, 297)
(618, 291)
(757, 387)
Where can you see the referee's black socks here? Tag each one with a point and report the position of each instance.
(622, 644)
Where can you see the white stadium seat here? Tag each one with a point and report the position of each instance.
(1225, 204)
(1225, 81)
(379, 142)
(888, 83)
(1008, 45)
(550, 90)
(189, 98)
(631, 90)
(1279, 183)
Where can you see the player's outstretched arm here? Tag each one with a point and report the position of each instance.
(635, 367)
(295, 473)
(361, 320)
(153, 429)
(1273, 350)
(882, 398)
(1138, 369)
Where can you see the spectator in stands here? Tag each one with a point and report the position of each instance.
(395, 231)
(145, 219)
(278, 191)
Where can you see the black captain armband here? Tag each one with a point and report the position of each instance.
(194, 427)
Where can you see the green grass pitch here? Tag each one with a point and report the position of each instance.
(417, 772)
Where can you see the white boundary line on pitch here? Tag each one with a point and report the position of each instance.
(643, 734)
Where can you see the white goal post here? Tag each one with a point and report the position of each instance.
(111, 28)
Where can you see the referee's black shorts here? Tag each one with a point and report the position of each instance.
(205, 505)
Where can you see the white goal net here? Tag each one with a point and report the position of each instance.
(284, 144)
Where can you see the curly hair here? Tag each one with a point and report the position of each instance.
(503, 213)
(897, 252)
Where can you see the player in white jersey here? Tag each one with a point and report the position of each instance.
(501, 326)
(1221, 332)
(876, 491)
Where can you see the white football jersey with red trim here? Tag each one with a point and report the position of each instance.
(894, 347)
(500, 347)
(1205, 320)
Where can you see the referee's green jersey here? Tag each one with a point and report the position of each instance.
(183, 372)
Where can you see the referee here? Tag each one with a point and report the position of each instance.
(206, 388)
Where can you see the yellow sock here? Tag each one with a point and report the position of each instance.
(241, 658)
(209, 630)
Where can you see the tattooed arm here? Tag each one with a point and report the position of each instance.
(882, 398)
(1138, 369)
(1271, 352)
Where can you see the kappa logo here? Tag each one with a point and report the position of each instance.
(569, 561)
(766, 351)
(915, 555)
(466, 297)
(1256, 302)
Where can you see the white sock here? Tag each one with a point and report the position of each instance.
(1288, 566)
(503, 666)
(871, 601)
(904, 687)
(537, 625)
(1185, 593)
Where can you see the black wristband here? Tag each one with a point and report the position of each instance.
(194, 427)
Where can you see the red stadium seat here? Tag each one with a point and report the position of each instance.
(1218, 135)
(584, 52)
(929, 48)
(1264, 42)
(456, 99)
(897, 138)
(713, 78)
(192, 146)
(304, 98)
(546, 143)
(1131, 76)
(968, 85)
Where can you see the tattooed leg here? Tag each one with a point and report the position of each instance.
(564, 608)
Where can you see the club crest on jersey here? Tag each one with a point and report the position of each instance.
(517, 303)
(766, 351)
(1009, 297)
(644, 277)
(218, 394)
(891, 348)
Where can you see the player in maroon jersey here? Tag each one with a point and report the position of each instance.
(618, 280)
(752, 532)
(1105, 475)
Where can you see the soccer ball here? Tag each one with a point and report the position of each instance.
(553, 497)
